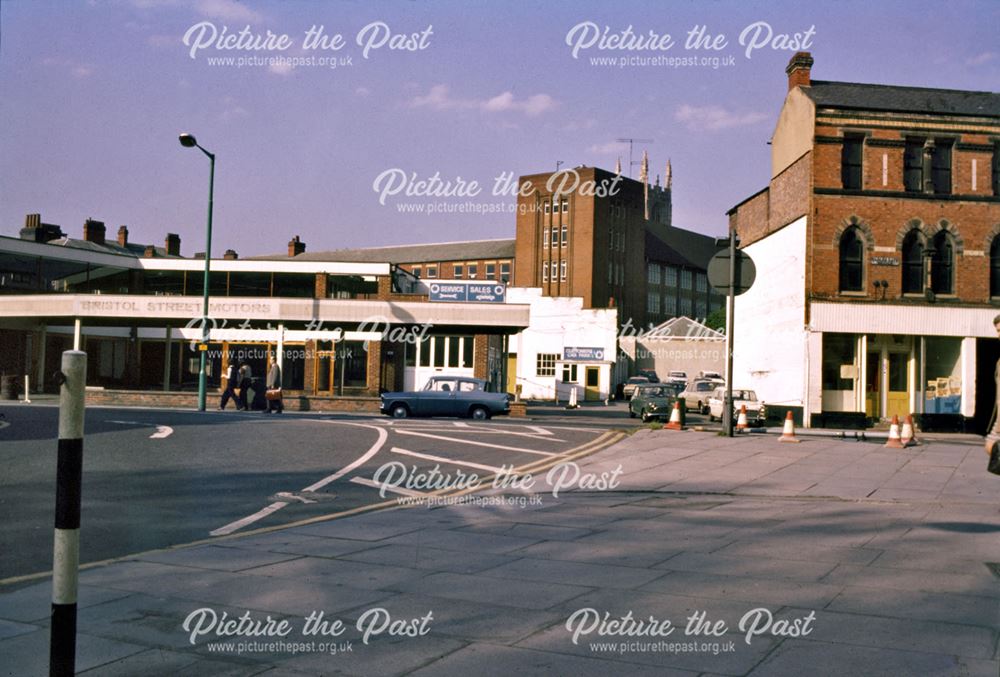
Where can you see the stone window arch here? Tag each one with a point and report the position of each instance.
(945, 225)
(864, 230)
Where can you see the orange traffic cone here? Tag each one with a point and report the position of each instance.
(788, 434)
(894, 441)
(741, 422)
(675, 418)
(908, 435)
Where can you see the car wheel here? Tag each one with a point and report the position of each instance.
(400, 411)
(711, 418)
(704, 409)
(479, 413)
(645, 416)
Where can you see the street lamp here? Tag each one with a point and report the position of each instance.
(188, 141)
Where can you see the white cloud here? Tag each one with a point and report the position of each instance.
(228, 10)
(281, 68)
(440, 98)
(74, 68)
(232, 110)
(980, 59)
(363, 91)
(714, 118)
(609, 148)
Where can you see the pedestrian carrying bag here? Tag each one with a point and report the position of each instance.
(273, 394)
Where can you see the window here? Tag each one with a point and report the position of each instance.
(943, 264)
(547, 207)
(555, 270)
(569, 373)
(491, 271)
(653, 303)
(545, 236)
(685, 279)
(416, 271)
(545, 364)
(458, 272)
(562, 269)
(701, 309)
(473, 270)
(545, 271)
(995, 267)
(653, 273)
(565, 236)
(611, 273)
(432, 271)
(565, 206)
(686, 306)
(851, 261)
(850, 161)
(913, 165)
(941, 167)
(913, 264)
(838, 352)
(505, 272)
(701, 282)
(670, 305)
(670, 276)
(996, 168)
(611, 239)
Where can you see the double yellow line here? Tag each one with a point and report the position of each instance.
(597, 444)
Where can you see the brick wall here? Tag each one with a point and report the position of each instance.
(178, 400)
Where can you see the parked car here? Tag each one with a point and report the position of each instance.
(710, 376)
(680, 377)
(650, 374)
(696, 395)
(448, 396)
(652, 401)
(756, 410)
(632, 383)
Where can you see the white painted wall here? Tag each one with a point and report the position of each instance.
(554, 324)
(770, 340)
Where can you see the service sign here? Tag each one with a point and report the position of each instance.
(583, 354)
(467, 292)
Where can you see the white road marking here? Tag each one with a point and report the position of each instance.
(442, 459)
(292, 497)
(485, 431)
(161, 432)
(275, 507)
(395, 490)
(539, 430)
(477, 444)
(127, 422)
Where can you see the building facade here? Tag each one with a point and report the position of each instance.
(877, 253)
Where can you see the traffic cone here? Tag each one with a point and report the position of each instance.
(908, 435)
(894, 441)
(741, 422)
(572, 399)
(788, 434)
(675, 418)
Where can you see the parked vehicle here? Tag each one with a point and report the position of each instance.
(680, 377)
(448, 396)
(710, 376)
(632, 383)
(650, 374)
(652, 401)
(756, 410)
(696, 395)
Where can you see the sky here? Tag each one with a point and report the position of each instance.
(93, 95)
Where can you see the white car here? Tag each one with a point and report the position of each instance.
(632, 384)
(756, 410)
(680, 377)
(696, 395)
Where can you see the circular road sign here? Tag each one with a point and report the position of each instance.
(718, 272)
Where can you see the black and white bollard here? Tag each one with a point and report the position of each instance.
(66, 546)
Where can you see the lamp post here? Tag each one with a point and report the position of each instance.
(188, 141)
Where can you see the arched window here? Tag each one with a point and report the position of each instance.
(851, 261)
(913, 263)
(995, 267)
(943, 264)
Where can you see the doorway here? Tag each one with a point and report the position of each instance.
(593, 384)
(898, 382)
(873, 385)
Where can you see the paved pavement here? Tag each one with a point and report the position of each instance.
(823, 558)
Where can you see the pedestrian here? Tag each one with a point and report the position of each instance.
(246, 380)
(993, 435)
(273, 392)
(232, 381)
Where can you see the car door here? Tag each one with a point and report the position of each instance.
(440, 399)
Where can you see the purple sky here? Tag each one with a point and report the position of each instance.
(93, 96)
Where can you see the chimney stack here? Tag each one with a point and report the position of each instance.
(36, 231)
(173, 244)
(123, 235)
(149, 252)
(798, 70)
(93, 231)
(296, 246)
(230, 255)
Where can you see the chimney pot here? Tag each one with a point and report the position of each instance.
(123, 235)
(230, 255)
(149, 252)
(296, 246)
(173, 244)
(93, 231)
(798, 70)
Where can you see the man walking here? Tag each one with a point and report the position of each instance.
(232, 381)
(274, 402)
(246, 376)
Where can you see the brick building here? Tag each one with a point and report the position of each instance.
(878, 261)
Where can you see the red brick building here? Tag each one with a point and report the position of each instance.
(877, 252)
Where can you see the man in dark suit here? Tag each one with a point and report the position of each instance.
(232, 381)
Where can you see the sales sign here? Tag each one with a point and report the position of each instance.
(466, 292)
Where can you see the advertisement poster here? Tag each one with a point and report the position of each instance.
(426, 337)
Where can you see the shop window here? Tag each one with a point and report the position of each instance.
(851, 261)
(838, 352)
(913, 264)
(850, 161)
(545, 364)
(943, 264)
(995, 267)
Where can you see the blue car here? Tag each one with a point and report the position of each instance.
(448, 396)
